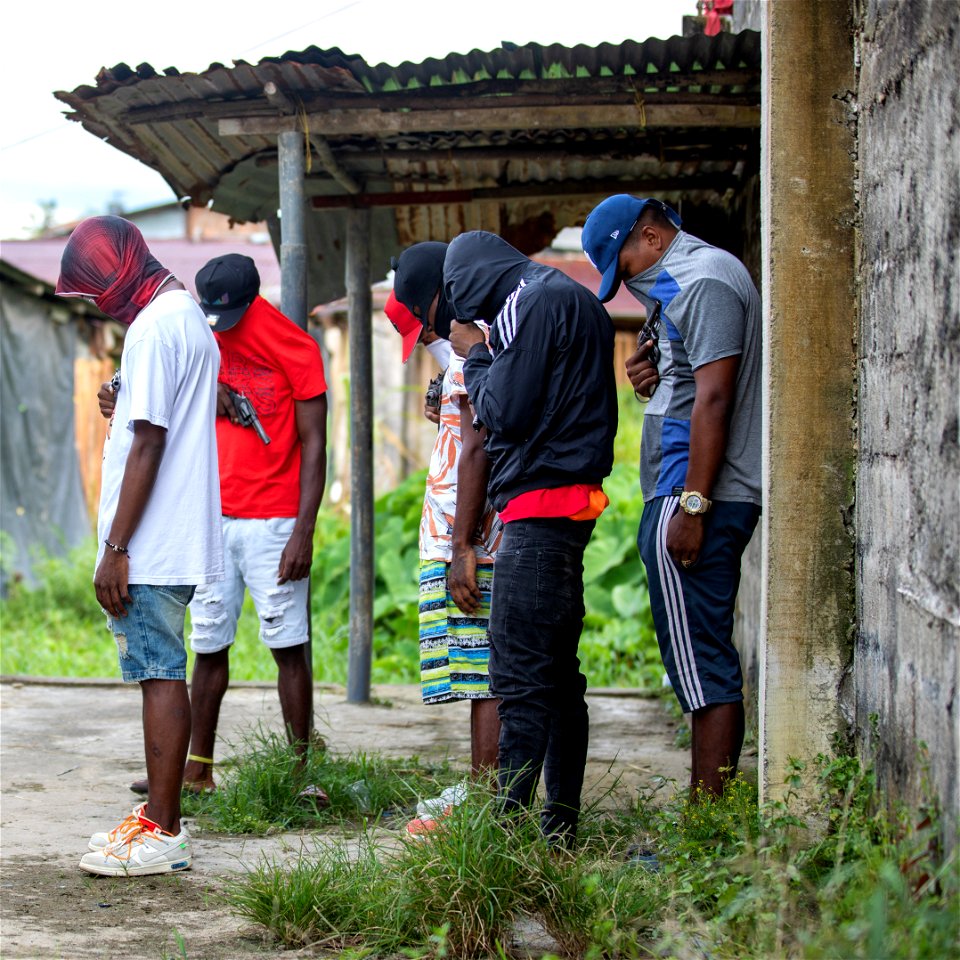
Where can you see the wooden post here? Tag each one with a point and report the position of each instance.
(359, 308)
(293, 242)
(293, 264)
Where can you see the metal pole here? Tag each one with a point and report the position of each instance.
(293, 234)
(359, 307)
(293, 265)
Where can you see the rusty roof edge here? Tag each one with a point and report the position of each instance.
(519, 61)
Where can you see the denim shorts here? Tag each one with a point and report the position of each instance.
(251, 555)
(150, 637)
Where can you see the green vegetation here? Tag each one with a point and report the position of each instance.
(726, 879)
(57, 629)
(258, 790)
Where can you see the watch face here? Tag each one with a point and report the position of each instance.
(693, 503)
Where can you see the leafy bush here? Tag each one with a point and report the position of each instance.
(725, 878)
(57, 628)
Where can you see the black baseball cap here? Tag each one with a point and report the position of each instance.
(418, 274)
(226, 286)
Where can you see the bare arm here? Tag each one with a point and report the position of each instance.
(473, 471)
(709, 431)
(139, 475)
(311, 419)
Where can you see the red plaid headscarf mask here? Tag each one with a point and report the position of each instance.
(107, 259)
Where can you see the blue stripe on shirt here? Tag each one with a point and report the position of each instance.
(674, 455)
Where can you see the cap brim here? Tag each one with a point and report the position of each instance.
(221, 320)
(410, 339)
(610, 282)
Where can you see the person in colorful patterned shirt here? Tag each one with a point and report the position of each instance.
(459, 529)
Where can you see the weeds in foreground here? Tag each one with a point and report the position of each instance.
(259, 790)
(729, 880)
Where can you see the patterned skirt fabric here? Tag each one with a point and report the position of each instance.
(454, 647)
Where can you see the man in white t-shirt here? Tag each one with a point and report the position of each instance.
(159, 518)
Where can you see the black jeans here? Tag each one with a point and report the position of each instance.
(535, 622)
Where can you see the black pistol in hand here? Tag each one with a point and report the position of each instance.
(247, 414)
(434, 390)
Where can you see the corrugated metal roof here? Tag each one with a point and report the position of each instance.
(521, 140)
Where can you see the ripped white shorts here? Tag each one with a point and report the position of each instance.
(251, 554)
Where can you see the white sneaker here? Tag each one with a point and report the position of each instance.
(141, 853)
(123, 829)
(436, 806)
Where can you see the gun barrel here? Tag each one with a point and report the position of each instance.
(248, 414)
(261, 433)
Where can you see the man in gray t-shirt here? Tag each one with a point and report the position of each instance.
(699, 455)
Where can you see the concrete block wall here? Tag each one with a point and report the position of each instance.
(907, 517)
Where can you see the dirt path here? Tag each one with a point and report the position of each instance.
(69, 751)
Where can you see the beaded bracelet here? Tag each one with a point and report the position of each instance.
(117, 549)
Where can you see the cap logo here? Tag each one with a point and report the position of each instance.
(615, 234)
(213, 319)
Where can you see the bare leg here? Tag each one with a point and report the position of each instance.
(166, 734)
(211, 677)
(484, 736)
(295, 687)
(716, 743)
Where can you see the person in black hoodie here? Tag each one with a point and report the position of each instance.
(547, 397)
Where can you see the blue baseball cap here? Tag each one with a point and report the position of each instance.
(606, 230)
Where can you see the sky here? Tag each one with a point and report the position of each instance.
(58, 45)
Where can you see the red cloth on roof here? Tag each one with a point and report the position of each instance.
(715, 10)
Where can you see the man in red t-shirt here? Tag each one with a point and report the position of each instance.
(270, 491)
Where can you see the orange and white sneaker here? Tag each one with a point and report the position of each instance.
(141, 852)
(420, 827)
(123, 829)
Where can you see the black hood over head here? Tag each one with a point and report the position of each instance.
(480, 271)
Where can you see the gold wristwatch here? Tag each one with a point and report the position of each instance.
(694, 503)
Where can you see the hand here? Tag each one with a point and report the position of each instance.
(685, 538)
(641, 372)
(107, 400)
(431, 413)
(462, 579)
(110, 582)
(463, 336)
(297, 556)
(225, 407)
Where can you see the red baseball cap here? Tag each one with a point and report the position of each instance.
(405, 323)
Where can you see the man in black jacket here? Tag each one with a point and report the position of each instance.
(547, 398)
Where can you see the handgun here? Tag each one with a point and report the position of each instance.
(247, 414)
(650, 331)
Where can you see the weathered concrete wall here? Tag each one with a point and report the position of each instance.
(807, 606)
(907, 510)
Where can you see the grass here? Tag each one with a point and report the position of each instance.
(258, 788)
(735, 880)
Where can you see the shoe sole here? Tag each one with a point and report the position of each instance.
(142, 870)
